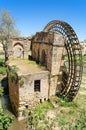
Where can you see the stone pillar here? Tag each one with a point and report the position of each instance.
(58, 47)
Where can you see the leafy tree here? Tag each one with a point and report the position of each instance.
(7, 30)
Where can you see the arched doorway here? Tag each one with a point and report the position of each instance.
(18, 51)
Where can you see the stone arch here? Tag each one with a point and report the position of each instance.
(18, 50)
(70, 81)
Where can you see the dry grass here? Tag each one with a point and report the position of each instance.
(26, 66)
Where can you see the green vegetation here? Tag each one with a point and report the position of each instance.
(67, 115)
(2, 61)
(13, 72)
(21, 81)
(1, 91)
(5, 120)
(2, 67)
(7, 30)
(2, 70)
(63, 103)
(38, 113)
(72, 115)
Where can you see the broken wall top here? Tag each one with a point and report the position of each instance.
(52, 38)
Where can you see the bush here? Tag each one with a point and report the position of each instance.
(2, 70)
(13, 72)
(5, 120)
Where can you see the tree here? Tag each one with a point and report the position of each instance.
(7, 30)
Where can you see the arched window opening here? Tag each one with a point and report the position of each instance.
(43, 58)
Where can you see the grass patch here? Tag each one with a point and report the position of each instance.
(38, 113)
(73, 121)
(63, 103)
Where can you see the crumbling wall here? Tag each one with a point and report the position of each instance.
(17, 44)
(52, 44)
(13, 93)
(22, 91)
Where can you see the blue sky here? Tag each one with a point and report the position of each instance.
(32, 15)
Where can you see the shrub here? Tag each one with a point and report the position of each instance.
(5, 120)
(13, 72)
(2, 70)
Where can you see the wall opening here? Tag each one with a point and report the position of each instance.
(18, 50)
(43, 58)
(40, 100)
(37, 85)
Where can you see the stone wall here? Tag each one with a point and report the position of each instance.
(42, 48)
(27, 96)
(47, 48)
(83, 47)
(53, 46)
(22, 93)
(19, 47)
(42, 52)
(14, 94)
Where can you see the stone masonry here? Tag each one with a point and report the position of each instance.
(19, 47)
(47, 50)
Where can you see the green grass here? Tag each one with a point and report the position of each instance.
(72, 116)
(63, 103)
(68, 115)
(39, 113)
(5, 120)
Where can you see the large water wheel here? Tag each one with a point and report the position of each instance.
(71, 79)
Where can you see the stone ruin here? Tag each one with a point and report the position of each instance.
(19, 47)
(48, 75)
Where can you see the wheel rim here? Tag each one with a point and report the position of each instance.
(71, 81)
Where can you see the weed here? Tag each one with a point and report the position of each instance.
(21, 81)
(13, 72)
(38, 113)
(63, 103)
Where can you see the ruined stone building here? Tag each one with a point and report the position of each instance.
(41, 83)
(44, 74)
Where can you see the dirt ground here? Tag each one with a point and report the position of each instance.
(26, 66)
